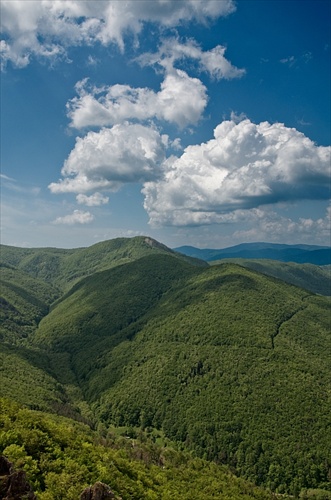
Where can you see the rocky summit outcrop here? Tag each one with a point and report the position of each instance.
(13, 484)
(99, 491)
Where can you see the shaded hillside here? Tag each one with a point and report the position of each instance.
(27, 374)
(63, 267)
(316, 279)
(285, 253)
(42, 263)
(41, 379)
(24, 301)
(233, 364)
(25, 377)
(104, 305)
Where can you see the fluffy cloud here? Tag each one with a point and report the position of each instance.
(268, 225)
(258, 224)
(107, 159)
(94, 200)
(77, 217)
(246, 165)
(211, 61)
(45, 28)
(181, 100)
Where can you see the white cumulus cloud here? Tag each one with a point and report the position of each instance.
(246, 165)
(181, 100)
(107, 159)
(46, 28)
(212, 61)
(77, 217)
(268, 225)
(94, 200)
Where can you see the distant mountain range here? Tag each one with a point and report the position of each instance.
(313, 254)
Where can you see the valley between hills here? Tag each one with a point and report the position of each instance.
(166, 376)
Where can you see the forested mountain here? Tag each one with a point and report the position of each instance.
(285, 253)
(222, 361)
(316, 279)
(25, 300)
(306, 266)
(62, 457)
(63, 268)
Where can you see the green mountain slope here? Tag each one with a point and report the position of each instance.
(112, 253)
(227, 362)
(42, 263)
(64, 268)
(231, 363)
(24, 301)
(316, 279)
(105, 304)
(62, 457)
(27, 374)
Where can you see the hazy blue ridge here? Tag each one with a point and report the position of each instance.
(286, 253)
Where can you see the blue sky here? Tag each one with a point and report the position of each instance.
(204, 123)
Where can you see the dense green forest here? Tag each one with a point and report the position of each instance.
(62, 268)
(316, 279)
(221, 363)
(61, 457)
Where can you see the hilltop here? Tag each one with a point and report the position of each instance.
(63, 267)
(306, 266)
